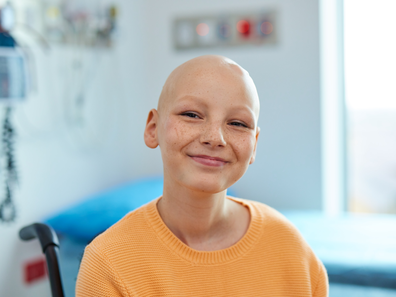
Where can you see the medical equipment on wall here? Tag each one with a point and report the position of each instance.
(72, 100)
(13, 88)
(239, 29)
(90, 33)
(72, 35)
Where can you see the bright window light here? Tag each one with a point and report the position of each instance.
(370, 53)
(370, 91)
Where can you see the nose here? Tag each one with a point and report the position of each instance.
(213, 135)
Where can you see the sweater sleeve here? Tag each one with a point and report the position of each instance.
(322, 286)
(97, 277)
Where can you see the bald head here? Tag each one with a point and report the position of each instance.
(198, 71)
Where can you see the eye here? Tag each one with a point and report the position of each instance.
(238, 124)
(190, 115)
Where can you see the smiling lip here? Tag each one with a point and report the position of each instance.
(209, 161)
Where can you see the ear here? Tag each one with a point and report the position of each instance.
(255, 147)
(150, 132)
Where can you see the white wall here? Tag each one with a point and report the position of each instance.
(56, 166)
(287, 172)
(57, 170)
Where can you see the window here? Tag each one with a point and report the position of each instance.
(370, 94)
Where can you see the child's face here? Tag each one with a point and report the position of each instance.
(207, 129)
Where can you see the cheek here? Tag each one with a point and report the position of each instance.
(244, 147)
(175, 135)
(171, 131)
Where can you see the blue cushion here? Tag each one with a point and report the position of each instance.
(356, 249)
(94, 215)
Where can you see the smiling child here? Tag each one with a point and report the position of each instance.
(195, 240)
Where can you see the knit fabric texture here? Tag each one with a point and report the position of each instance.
(140, 256)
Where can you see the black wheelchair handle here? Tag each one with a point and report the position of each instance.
(45, 234)
(50, 246)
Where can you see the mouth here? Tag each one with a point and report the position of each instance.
(209, 161)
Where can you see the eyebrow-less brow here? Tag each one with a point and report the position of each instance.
(190, 98)
(198, 100)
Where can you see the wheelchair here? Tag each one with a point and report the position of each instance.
(50, 246)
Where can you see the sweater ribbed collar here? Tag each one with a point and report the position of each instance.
(208, 257)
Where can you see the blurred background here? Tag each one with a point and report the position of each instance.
(77, 79)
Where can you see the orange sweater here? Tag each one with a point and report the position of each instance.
(140, 256)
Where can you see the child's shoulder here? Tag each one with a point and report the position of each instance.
(126, 231)
(262, 210)
(278, 233)
(273, 223)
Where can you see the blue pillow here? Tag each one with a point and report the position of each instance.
(91, 217)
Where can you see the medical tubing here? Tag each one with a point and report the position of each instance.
(50, 246)
(7, 206)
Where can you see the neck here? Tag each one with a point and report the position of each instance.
(197, 219)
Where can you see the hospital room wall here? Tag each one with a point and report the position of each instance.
(57, 166)
(56, 172)
(287, 171)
